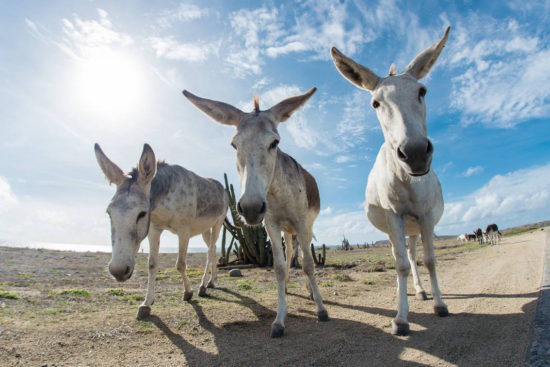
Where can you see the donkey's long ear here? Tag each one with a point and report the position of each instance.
(218, 111)
(284, 109)
(421, 65)
(111, 171)
(358, 75)
(147, 166)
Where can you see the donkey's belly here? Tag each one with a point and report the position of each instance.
(377, 216)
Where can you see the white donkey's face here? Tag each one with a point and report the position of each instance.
(399, 104)
(256, 140)
(129, 210)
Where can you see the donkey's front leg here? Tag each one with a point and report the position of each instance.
(396, 225)
(304, 238)
(274, 232)
(411, 251)
(154, 242)
(426, 229)
(181, 265)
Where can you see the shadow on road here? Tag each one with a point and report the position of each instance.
(463, 338)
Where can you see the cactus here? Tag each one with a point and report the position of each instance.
(253, 245)
(319, 259)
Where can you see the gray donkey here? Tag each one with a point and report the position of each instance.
(155, 197)
(274, 186)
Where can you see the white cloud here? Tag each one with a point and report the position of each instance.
(183, 13)
(169, 48)
(504, 73)
(344, 159)
(472, 171)
(516, 197)
(355, 120)
(85, 36)
(330, 228)
(7, 198)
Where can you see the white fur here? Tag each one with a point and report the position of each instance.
(396, 202)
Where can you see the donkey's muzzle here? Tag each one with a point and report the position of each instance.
(417, 155)
(252, 211)
(121, 272)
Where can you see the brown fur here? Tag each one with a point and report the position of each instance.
(312, 191)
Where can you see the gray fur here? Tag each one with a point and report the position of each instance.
(155, 197)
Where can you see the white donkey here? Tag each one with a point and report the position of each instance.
(403, 195)
(274, 186)
(152, 198)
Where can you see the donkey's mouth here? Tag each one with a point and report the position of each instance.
(419, 174)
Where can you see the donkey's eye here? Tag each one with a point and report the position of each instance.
(274, 144)
(421, 93)
(141, 215)
(375, 104)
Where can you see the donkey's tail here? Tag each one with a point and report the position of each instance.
(230, 226)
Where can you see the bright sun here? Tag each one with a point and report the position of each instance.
(109, 85)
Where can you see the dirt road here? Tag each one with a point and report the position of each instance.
(491, 293)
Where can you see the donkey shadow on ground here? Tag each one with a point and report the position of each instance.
(458, 339)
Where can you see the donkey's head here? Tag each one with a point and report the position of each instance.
(399, 104)
(129, 209)
(255, 142)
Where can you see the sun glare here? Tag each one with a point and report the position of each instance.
(109, 85)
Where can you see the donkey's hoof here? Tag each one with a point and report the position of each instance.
(143, 312)
(399, 328)
(322, 315)
(421, 296)
(202, 291)
(277, 330)
(441, 311)
(187, 295)
(210, 285)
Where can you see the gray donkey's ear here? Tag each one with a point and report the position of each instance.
(218, 111)
(111, 171)
(421, 65)
(147, 166)
(284, 109)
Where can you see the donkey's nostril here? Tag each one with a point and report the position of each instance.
(401, 155)
(262, 209)
(128, 270)
(239, 208)
(430, 148)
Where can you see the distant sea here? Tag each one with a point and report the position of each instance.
(98, 248)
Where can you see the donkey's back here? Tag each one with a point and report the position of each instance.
(180, 197)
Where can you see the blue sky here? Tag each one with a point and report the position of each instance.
(75, 73)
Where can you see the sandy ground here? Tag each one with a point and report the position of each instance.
(491, 293)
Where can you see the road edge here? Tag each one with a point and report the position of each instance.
(538, 351)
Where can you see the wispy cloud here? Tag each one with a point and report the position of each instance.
(183, 13)
(504, 72)
(472, 171)
(169, 48)
(85, 36)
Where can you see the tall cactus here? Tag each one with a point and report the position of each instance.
(254, 246)
(319, 259)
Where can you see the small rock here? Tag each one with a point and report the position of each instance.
(235, 273)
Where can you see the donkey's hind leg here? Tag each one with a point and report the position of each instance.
(216, 229)
(411, 252)
(288, 253)
(206, 236)
(181, 264)
(304, 239)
